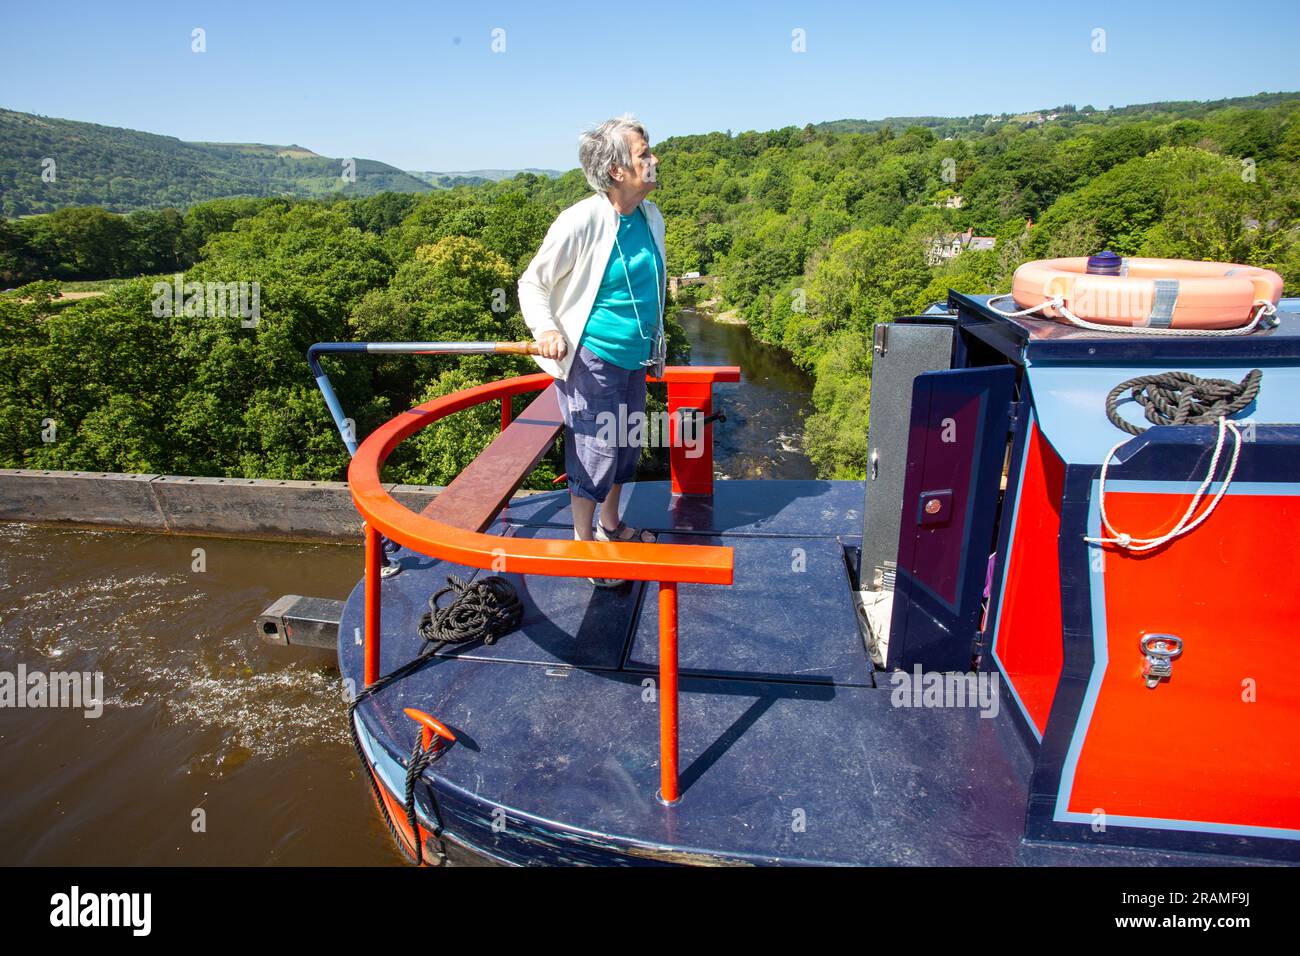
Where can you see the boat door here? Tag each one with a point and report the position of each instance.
(959, 428)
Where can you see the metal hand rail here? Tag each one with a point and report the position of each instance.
(399, 348)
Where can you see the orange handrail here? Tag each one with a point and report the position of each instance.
(634, 560)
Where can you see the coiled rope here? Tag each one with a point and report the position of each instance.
(1179, 398)
(485, 610)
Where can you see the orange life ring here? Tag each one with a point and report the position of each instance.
(1169, 293)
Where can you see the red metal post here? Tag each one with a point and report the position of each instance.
(505, 412)
(668, 692)
(691, 465)
(374, 551)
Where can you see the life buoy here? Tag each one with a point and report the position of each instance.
(1157, 293)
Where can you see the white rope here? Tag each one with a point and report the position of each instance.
(1266, 308)
(1029, 311)
(1130, 543)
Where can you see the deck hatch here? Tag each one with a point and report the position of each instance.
(787, 617)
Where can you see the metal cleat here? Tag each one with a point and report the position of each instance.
(1160, 651)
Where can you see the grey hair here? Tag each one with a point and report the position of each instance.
(605, 146)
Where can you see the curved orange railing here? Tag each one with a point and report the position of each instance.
(641, 562)
(669, 564)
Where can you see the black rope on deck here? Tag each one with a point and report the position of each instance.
(485, 610)
(1181, 398)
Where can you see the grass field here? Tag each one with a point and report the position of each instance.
(76, 290)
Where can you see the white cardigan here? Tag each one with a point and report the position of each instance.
(558, 289)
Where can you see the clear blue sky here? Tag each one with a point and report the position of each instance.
(417, 85)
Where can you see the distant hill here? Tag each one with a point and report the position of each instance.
(123, 169)
(477, 177)
(1067, 114)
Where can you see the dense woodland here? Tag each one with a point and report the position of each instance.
(814, 235)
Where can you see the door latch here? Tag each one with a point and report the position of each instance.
(1160, 651)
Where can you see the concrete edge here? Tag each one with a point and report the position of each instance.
(183, 504)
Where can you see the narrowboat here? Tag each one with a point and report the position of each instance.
(1052, 625)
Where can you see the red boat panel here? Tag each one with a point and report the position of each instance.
(1215, 742)
(1028, 641)
(396, 812)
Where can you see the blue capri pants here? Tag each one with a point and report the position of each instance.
(598, 401)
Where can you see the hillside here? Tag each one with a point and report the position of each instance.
(476, 177)
(1067, 115)
(123, 169)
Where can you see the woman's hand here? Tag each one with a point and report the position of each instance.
(552, 345)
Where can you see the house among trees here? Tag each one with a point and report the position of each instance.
(954, 243)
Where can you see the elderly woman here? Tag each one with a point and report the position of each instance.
(593, 297)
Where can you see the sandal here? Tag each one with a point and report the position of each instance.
(617, 535)
(602, 582)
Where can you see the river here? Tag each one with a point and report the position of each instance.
(213, 748)
(763, 434)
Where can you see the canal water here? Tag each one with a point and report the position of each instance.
(213, 748)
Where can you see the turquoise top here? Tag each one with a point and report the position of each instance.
(612, 330)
